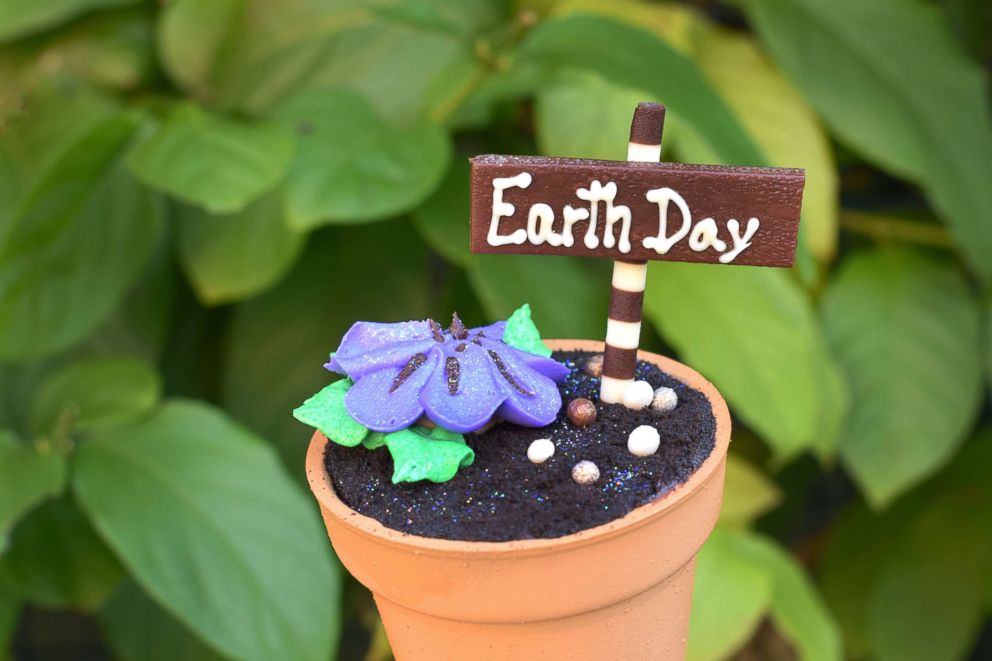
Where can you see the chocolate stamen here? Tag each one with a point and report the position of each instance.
(452, 370)
(436, 330)
(408, 369)
(457, 328)
(461, 347)
(506, 374)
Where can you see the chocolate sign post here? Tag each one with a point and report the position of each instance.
(634, 211)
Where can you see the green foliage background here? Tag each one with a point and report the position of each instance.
(197, 197)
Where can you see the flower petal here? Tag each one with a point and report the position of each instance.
(538, 405)
(548, 367)
(389, 355)
(373, 402)
(477, 396)
(366, 336)
(492, 331)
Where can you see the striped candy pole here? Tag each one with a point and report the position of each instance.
(623, 328)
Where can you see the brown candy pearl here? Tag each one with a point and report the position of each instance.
(581, 412)
(594, 366)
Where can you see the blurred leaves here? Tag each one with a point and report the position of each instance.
(199, 474)
(743, 577)
(69, 253)
(214, 162)
(912, 583)
(56, 560)
(749, 493)
(753, 332)
(10, 610)
(906, 331)
(351, 166)
(230, 257)
(23, 17)
(589, 42)
(889, 81)
(29, 477)
(138, 629)
(93, 395)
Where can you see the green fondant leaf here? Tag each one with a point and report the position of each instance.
(421, 455)
(374, 440)
(521, 333)
(326, 412)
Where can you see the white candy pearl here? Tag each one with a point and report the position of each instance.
(665, 399)
(637, 395)
(585, 472)
(644, 441)
(540, 450)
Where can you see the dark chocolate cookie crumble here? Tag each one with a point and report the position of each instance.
(503, 496)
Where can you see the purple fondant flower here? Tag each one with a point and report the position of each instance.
(459, 378)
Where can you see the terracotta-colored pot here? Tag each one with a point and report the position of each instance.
(621, 590)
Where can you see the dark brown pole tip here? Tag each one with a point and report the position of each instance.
(648, 122)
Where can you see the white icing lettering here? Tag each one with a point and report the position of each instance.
(663, 243)
(740, 242)
(704, 235)
(595, 194)
(503, 209)
(572, 216)
(539, 222)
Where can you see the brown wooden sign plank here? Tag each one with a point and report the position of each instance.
(635, 211)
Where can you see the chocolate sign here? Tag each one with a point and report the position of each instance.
(632, 212)
(635, 211)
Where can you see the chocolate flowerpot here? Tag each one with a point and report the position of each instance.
(622, 590)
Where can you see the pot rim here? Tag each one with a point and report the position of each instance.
(320, 485)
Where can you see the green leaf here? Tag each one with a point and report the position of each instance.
(891, 83)
(29, 478)
(748, 493)
(797, 610)
(522, 333)
(10, 614)
(780, 122)
(351, 166)
(225, 512)
(583, 115)
(19, 18)
(886, 574)
(211, 161)
(251, 54)
(570, 294)
(442, 219)
(729, 598)
(988, 341)
(753, 332)
(421, 455)
(740, 578)
(906, 331)
(231, 257)
(326, 412)
(590, 42)
(57, 561)
(81, 237)
(138, 629)
(96, 394)
(284, 335)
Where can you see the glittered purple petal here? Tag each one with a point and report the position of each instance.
(477, 396)
(548, 367)
(529, 410)
(373, 402)
(492, 331)
(367, 336)
(390, 355)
